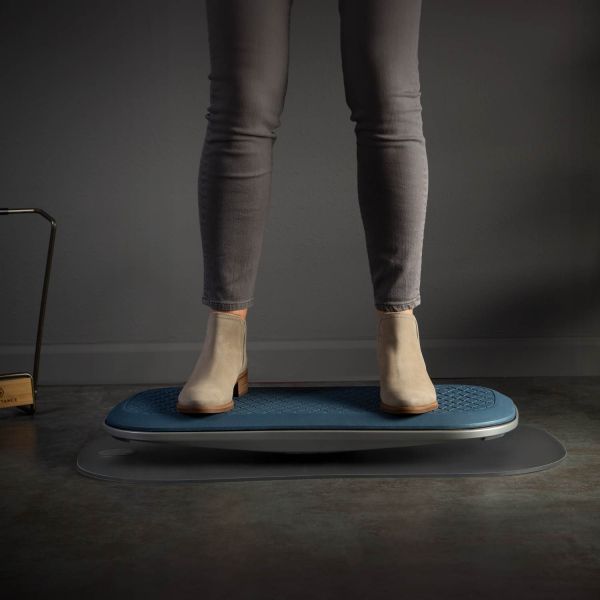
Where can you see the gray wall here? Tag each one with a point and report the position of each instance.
(103, 110)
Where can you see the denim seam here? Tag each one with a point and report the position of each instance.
(400, 301)
(227, 305)
(204, 297)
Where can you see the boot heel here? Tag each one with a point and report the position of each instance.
(241, 385)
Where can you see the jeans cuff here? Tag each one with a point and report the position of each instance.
(233, 305)
(398, 306)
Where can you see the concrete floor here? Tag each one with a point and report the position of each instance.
(526, 536)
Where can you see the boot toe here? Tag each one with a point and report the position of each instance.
(409, 401)
(203, 400)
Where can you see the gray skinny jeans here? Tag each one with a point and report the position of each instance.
(249, 51)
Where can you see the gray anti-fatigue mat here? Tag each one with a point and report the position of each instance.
(523, 450)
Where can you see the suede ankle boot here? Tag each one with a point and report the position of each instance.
(221, 370)
(405, 386)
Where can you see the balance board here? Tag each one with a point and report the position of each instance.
(313, 419)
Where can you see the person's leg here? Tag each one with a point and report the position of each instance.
(248, 44)
(379, 49)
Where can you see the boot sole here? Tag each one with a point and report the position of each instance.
(408, 409)
(239, 389)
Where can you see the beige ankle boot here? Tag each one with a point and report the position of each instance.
(221, 370)
(405, 386)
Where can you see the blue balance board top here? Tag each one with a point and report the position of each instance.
(327, 407)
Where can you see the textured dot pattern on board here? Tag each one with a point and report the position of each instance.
(314, 400)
